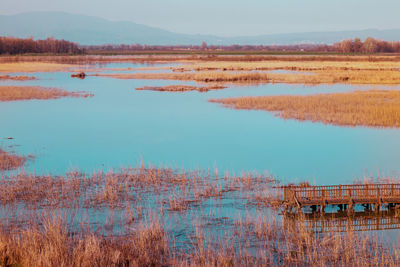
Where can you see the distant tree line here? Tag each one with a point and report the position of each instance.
(370, 45)
(13, 46)
(205, 47)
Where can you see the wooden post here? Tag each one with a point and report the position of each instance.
(378, 202)
(350, 208)
(323, 201)
(284, 194)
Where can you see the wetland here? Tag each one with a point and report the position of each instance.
(136, 164)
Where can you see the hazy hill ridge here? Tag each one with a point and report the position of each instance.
(90, 30)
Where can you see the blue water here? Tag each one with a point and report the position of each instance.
(120, 126)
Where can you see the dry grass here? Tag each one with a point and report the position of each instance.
(206, 77)
(292, 65)
(374, 108)
(116, 188)
(42, 236)
(195, 58)
(182, 88)
(252, 241)
(10, 161)
(319, 77)
(34, 67)
(17, 78)
(93, 59)
(358, 70)
(13, 93)
(51, 244)
(239, 69)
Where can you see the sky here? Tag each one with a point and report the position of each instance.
(229, 17)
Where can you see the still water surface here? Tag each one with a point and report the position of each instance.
(119, 126)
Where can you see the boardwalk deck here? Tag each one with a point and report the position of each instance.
(345, 196)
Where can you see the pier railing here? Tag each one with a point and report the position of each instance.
(338, 194)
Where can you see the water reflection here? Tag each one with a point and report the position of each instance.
(342, 221)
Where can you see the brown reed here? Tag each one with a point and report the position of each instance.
(13, 93)
(256, 239)
(373, 108)
(17, 78)
(10, 161)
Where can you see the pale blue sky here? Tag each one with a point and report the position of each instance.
(230, 17)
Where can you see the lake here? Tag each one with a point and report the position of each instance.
(120, 126)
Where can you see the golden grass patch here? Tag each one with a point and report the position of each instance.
(373, 108)
(280, 64)
(11, 67)
(12, 93)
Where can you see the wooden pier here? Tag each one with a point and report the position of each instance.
(344, 196)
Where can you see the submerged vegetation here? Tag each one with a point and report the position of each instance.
(10, 161)
(375, 108)
(157, 216)
(13, 93)
(16, 78)
(182, 88)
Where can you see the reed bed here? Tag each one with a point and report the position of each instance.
(116, 188)
(14, 93)
(318, 77)
(348, 70)
(95, 59)
(10, 161)
(182, 88)
(236, 69)
(157, 216)
(51, 244)
(372, 108)
(205, 77)
(292, 65)
(88, 59)
(34, 67)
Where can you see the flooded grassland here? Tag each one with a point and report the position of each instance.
(148, 172)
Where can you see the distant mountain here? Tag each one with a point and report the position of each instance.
(93, 31)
